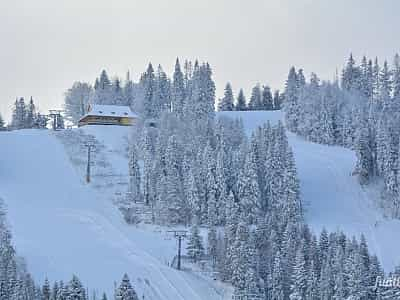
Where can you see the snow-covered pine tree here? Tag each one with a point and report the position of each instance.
(134, 175)
(232, 211)
(125, 291)
(267, 101)
(326, 283)
(102, 89)
(396, 76)
(277, 100)
(203, 94)
(193, 197)
(148, 166)
(301, 79)
(376, 70)
(129, 91)
(364, 166)
(162, 92)
(351, 76)
(195, 246)
(54, 291)
(385, 87)
(148, 83)
(19, 114)
(117, 94)
(46, 293)
(76, 291)
(226, 103)
(248, 191)
(176, 205)
(212, 244)
(2, 123)
(241, 101)
(178, 90)
(299, 277)
(366, 78)
(291, 105)
(30, 118)
(255, 102)
(221, 188)
(277, 284)
(240, 259)
(291, 191)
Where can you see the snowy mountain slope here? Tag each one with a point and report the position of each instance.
(333, 198)
(63, 226)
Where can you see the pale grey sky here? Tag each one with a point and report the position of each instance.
(46, 45)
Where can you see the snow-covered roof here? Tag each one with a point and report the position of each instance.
(110, 111)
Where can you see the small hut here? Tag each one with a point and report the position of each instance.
(108, 115)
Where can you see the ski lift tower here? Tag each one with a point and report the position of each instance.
(179, 235)
(90, 144)
(56, 115)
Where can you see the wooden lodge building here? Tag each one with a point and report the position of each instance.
(108, 115)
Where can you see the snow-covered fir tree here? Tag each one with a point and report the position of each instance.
(195, 245)
(227, 102)
(267, 101)
(255, 102)
(178, 90)
(241, 101)
(19, 114)
(125, 291)
(2, 123)
(102, 89)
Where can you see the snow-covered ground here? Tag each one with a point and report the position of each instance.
(332, 197)
(63, 225)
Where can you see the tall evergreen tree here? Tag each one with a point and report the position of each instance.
(396, 76)
(227, 102)
(102, 90)
(291, 105)
(267, 99)
(241, 101)
(150, 108)
(255, 102)
(125, 291)
(2, 124)
(178, 90)
(195, 246)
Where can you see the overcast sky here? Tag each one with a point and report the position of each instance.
(46, 45)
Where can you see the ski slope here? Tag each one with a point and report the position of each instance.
(332, 197)
(63, 226)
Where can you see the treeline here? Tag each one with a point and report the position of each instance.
(290, 262)
(261, 99)
(155, 92)
(361, 112)
(74, 290)
(25, 115)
